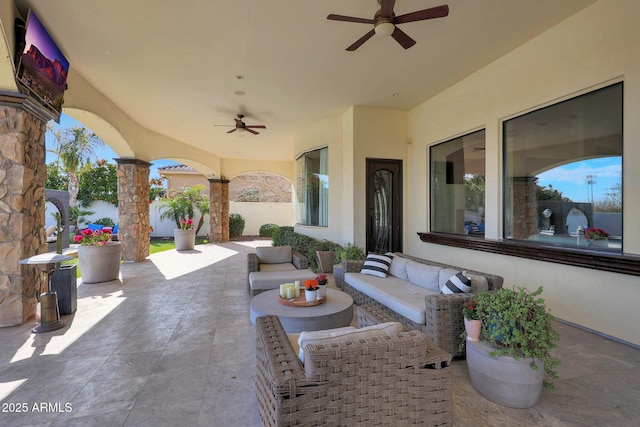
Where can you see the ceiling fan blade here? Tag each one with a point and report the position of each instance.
(361, 41)
(255, 126)
(402, 38)
(334, 17)
(386, 8)
(420, 15)
(239, 122)
(232, 130)
(251, 131)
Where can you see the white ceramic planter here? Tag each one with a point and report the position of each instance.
(185, 239)
(503, 379)
(100, 263)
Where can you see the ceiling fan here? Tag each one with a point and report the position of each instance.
(385, 22)
(241, 126)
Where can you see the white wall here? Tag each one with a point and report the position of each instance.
(354, 136)
(594, 48)
(258, 214)
(255, 215)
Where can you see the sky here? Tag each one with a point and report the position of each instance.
(105, 153)
(572, 179)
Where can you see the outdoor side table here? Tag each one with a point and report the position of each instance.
(49, 312)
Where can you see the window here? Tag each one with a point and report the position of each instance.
(563, 173)
(457, 185)
(313, 188)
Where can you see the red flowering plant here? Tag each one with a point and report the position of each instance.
(310, 285)
(594, 233)
(469, 310)
(186, 224)
(321, 279)
(88, 237)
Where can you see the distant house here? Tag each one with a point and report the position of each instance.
(260, 197)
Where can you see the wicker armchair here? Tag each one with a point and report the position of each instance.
(392, 380)
(263, 277)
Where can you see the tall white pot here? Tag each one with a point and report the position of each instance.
(185, 239)
(100, 263)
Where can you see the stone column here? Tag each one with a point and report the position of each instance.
(525, 207)
(133, 208)
(22, 206)
(219, 207)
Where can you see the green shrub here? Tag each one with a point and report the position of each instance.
(267, 230)
(236, 225)
(306, 245)
(107, 222)
(351, 252)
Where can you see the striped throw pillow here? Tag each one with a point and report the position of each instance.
(377, 265)
(458, 283)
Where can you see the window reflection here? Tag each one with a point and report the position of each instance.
(563, 174)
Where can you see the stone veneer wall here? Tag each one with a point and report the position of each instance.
(133, 208)
(525, 207)
(22, 208)
(219, 207)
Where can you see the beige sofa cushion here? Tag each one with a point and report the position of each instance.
(285, 266)
(398, 267)
(424, 275)
(345, 334)
(274, 254)
(399, 295)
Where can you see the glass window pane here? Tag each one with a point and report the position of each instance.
(563, 173)
(458, 185)
(312, 170)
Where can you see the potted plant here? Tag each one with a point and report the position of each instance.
(99, 257)
(322, 285)
(510, 365)
(185, 235)
(181, 209)
(596, 237)
(472, 322)
(310, 290)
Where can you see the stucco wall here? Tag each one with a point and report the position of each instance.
(594, 48)
(359, 133)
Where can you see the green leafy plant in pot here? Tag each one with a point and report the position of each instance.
(517, 323)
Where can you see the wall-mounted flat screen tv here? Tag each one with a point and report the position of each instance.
(42, 68)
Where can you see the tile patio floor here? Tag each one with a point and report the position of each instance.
(171, 345)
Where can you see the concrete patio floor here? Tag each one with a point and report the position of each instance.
(170, 344)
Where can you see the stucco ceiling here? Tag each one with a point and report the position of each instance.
(173, 66)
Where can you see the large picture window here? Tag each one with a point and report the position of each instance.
(313, 188)
(458, 184)
(563, 173)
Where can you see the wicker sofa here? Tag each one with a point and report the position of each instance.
(270, 266)
(443, 320)
(395, 380)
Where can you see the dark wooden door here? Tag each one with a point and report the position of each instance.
(384, 205)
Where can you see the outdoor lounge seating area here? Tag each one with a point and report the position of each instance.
(171, 344)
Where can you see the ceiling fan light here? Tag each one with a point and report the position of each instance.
(241, 130)
(384, 29)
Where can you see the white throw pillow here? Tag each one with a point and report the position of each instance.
(274, 254)
(398, 267)
(377, 265)
(345, 334)
(424, 275)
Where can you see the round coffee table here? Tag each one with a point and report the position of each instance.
(335, 313)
